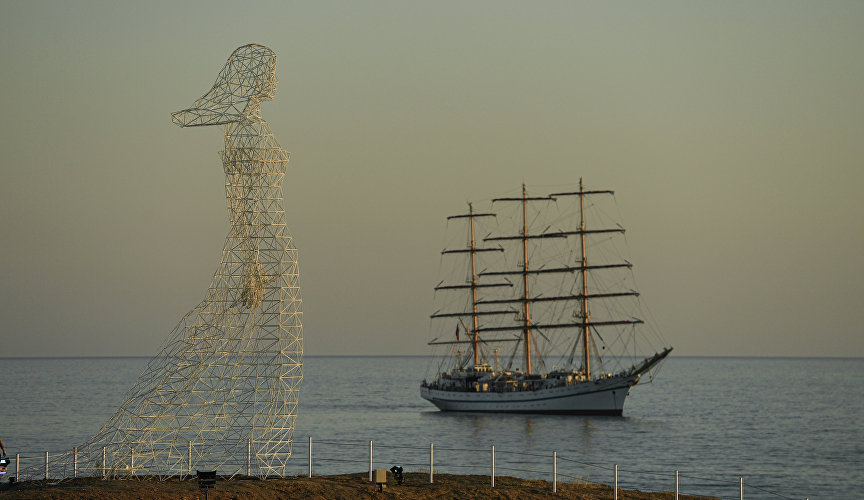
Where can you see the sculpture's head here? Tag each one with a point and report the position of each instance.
(247, 79)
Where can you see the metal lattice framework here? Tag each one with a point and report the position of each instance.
(222, 394)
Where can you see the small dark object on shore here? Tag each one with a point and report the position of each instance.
(206, 480)
(397, 473)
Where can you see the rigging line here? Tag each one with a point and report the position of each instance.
(464, 328)
(440, 364)
(484, 354)
(598, 334)
(573, 351)
(537, 352)
(597, 356)
(653, 321)
(536, 329)
(512, 356)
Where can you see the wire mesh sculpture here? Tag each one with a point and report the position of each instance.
(222, 394)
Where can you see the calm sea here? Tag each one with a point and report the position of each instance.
(793, 428)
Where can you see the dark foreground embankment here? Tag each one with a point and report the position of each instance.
(347, 486)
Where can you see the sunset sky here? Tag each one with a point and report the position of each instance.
(731, 132)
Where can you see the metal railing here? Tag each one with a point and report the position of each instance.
(342, 457)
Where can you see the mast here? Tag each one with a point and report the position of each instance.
(476, 337)
(525, 270)
(583, 269)
(473, 285)
(586, 315)
(526, 304)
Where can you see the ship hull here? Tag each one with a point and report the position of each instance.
(601, 397)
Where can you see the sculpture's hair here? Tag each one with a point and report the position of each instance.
(247, 79)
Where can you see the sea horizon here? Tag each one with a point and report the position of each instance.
(688, 356)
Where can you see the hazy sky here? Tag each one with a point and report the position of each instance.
(732, 133)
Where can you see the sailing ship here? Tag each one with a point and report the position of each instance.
(548, 286)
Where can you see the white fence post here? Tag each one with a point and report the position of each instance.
(740, 488)
(249, 458)
(104, 463)
(310, 456)
(676, 485)
(18, 466)
(189, 465)
(75, 463)
(370, 460)
(46, 465)
(616, 482)
(554, 472)
(493, 465)
(431, 463)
